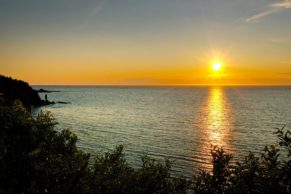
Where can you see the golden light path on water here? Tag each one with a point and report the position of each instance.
(216, 123)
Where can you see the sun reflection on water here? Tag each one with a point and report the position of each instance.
(216, 123)
(216, 117)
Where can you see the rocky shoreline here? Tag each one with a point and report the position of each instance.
(13, 89)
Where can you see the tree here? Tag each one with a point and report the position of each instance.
(34, 158)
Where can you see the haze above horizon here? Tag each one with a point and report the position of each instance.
(153, 42)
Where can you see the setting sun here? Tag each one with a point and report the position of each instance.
(216, 66)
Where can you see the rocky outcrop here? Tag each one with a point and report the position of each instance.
(12, 89)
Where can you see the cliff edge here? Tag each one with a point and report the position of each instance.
(13, 89)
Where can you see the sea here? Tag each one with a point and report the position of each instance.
(177, 123)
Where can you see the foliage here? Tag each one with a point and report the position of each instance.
(13, 89)
(264, 174)
(35, 158)
(218, 181)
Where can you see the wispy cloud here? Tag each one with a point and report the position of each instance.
(95, 10)
(270, 9)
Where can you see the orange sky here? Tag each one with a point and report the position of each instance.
(146, 43)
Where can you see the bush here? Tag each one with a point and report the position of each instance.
(35, 158)
(264, 174)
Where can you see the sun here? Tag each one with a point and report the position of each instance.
(216, 66)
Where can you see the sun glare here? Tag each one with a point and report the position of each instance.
(216, 66)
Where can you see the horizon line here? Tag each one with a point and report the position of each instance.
(163, 85)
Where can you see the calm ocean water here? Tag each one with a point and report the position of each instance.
(179, 123)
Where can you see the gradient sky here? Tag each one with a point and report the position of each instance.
(146, 42)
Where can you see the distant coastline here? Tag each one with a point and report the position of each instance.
(45, 91)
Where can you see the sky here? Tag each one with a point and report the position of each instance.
(146, 42)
